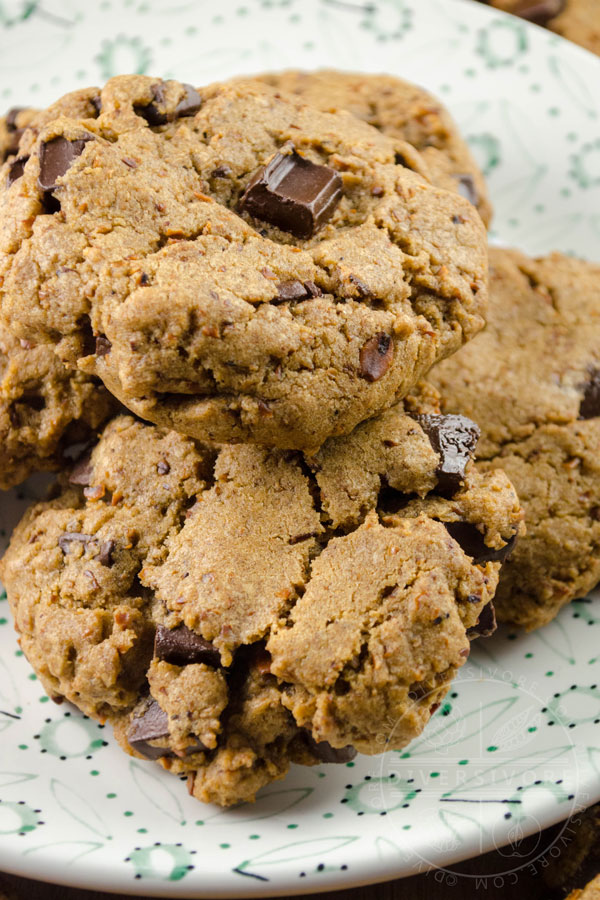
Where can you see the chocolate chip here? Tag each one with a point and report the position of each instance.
(454, 438)
(328, 754)
(467, 189)
(103, 345)
(181, 646)
(589, 407)
(56, 156)
(289, 291)
(163, 467)
(360, 286)
(419, 690)
(81, 473)
(11, 117)
(401, 160)
(376, 356)
(153, 725)
(540, 12)
(17, 167)
(221, 172)
(96, 102)
(144, 280)
(73, 537)
(155, 114)
(105, 556)
(471, 540)
(293, 193)
(486, 623)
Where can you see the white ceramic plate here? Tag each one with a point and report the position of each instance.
(514, 747)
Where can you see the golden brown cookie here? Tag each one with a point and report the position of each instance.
(531, 381)
(577, 20)
(400, 110)
(250, 268)
(232, 610)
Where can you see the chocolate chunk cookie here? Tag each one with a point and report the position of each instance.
(45, 408)
(577, 20)
(400, 110)
(250, 268)
(232, 611)
(531, 381)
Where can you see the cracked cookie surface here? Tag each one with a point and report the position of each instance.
(400, 110)
(531, 380)
(122, 225)
(231, 611)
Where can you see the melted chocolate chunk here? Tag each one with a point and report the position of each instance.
(82, 471)
(16, 169)
(328, 754)
(471, 540)
(486, 623)
(103, 345)
(454, 438)
(153, 725)
(105, 556)
(294, 194)
(221, 172)
(376, 357)
(73, 537)
(288, 291)
(11, 117)
(181, 646)
(155, 114)
(467, 189)
(539, 11)
(56, 156)
(96, 102)
(589, 407)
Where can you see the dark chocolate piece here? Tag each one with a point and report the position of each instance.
(163, 467)
(589, 407)
(328, 754)
(11, 117)
(293, 193)
(73, 537)
(539, 11)
(81, 473)
(221, 172)
(155, 114)
(486, 623)
(454, 438)
(153, 725)
(103, 345)
(288, 291)
(56, 156)
(105, 556)
(181, 646)
(16, 169)
(467, 189)
(97, 103)
(471, 540)
(376, 356)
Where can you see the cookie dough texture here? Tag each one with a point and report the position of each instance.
(220, 591)
(530, 381)
(577, 20)
(44, 408)
(211, 322)
(400, 110)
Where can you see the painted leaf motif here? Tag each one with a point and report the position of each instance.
(268, 804)
(572, 82)
(79, 848)
(296, 850)
(513, 733)
(462, 829)
(387, 849)
(501, 773)
(156, 791)
(446, 732)
(77, 807)
(7, 778)
(555, 636)
(9, 695)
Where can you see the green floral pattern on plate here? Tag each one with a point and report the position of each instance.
(513, 747)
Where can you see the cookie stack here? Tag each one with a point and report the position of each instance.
(270, 541)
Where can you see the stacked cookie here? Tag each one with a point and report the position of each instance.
(280, 550)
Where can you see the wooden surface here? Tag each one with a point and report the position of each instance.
(473, 879)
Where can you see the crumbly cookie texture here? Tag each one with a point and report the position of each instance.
(230, 611)
(45, 408)
(531, 380)
(400, 110)
(577, 20)
(162, 243)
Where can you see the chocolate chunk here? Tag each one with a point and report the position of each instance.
(293, 193)
(81, 473)
(11, 117)
(97, 103)
(105, 556)
(486, 623)
(328, 754)
(163, 467)
(73, 537)
(155, 114)
(589, 407)
(16, 169)
(56, 156)
(454, 438)
(181, 647)
(103, 345)
(361, 287)
(471, 540)
(376, 356)
(288, 291)
(221, 172)
(467, 189)
(539, 11)
(153, 725)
